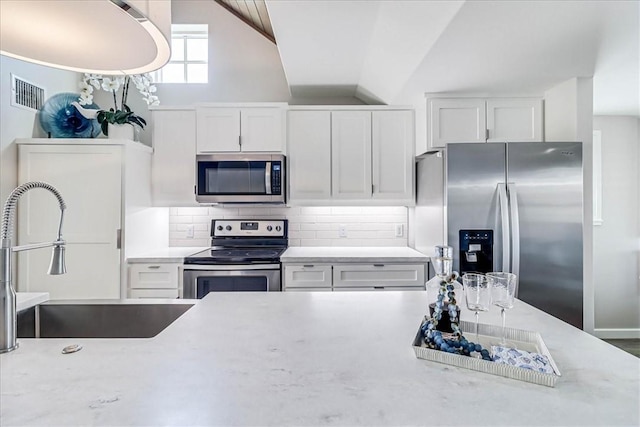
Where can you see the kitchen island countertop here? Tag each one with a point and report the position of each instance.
(307, 358)
(332, 254)
(25, 300)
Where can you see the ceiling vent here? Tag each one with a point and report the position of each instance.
(25, 94)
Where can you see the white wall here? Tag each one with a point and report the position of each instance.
(243, 65)
(17, 122)
(617, 240)
(308, 226)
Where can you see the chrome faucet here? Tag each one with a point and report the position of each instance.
(8, 329)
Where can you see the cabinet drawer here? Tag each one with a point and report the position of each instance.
(376, 275)
(380, 288)
(153, 293)
(308, 289)
(153, 276)
(307, 276)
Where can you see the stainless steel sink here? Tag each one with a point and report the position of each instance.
(100, 319)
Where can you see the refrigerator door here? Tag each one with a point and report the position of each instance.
(474, 175)
(544, 183)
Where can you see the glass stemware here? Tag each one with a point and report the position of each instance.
(503, 289)
(477, 292)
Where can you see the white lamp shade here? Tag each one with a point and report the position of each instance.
(97, 36)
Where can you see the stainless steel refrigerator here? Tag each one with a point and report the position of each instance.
(518, 207)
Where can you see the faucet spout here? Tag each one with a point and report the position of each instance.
(8, 323)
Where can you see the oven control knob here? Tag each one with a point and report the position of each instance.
(228, 228)
(269, 228)
(219, 228)
(278, 228)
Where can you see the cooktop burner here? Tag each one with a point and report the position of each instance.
(236, 256)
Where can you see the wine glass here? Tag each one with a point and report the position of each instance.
(477, 292)
(503, 289)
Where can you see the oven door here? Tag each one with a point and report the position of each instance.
(199, 280)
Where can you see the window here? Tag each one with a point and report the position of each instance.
(189, 61)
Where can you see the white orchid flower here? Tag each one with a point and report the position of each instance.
(85, 87)
(110, 85)
(85, 99)
(152, 89)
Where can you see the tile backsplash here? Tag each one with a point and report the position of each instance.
(308, 226)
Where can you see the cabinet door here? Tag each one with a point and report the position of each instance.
(310, 277)
(174, 154)
(514, 119)
(455, 120)
(351, 154)
(153, 276)
(378, 275)
(89, 178)
(218, 130)
(261, 129)
(309, 161)
(393, 164)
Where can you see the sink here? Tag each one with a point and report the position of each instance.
(104, 319)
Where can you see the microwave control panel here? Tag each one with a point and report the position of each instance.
(276, 178)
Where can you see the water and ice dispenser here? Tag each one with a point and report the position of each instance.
(476, 251)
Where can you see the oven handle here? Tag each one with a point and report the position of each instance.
(216, 267)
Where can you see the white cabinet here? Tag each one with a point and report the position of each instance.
(309, 160)
(354, 277)
(239, 129)
(174, 155)
(154, 280)
(307, 277)
(102, 183)
(514, 120)
(451, 120)
(378, 276)
(351, 156)
(392, 156)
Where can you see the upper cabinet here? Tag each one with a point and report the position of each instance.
(173, 167)
(351, 156)
(451, 120)
(248, 129)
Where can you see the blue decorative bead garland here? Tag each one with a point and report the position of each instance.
(434, 338)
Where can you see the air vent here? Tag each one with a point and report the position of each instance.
(25, 94)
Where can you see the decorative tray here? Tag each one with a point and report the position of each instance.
(488, 335)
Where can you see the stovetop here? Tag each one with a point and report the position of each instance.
(244, 242)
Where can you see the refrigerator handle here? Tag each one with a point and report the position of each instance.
(515, 230)
(504, 223)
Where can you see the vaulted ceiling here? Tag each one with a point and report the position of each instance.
(394, 51)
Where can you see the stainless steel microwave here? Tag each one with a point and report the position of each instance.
(240, 178)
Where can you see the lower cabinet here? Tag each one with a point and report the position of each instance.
(354, 277)
(157, 280)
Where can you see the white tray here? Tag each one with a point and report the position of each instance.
(488, 334)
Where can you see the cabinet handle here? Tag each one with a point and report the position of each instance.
(119, 238)
(308, 266)
(486, 135)
(378, 265)
(378, 288)
(240, 140)
(154, 267)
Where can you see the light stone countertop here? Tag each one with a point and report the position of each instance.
(25, 300)
(165, 255)
(307, 358)
(330, 254)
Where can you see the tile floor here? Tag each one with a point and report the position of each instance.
(630, 346)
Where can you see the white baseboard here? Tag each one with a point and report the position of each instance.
(617, 333)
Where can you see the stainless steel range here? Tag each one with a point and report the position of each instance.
(244, 257)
